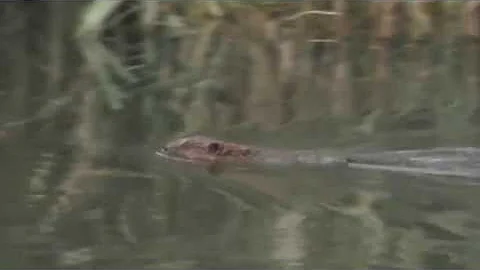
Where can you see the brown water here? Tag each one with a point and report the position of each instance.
(318, 219)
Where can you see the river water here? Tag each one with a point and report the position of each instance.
(334, 218)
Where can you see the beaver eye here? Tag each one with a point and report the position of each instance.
(214, 147)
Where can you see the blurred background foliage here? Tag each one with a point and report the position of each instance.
(380, 64)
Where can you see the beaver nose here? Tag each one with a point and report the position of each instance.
(163, 151)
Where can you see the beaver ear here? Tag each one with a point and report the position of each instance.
(214, 147)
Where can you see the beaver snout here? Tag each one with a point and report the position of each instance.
(163, 151)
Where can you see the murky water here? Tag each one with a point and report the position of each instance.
(332, 218)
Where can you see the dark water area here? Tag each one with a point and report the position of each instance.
(334, 218)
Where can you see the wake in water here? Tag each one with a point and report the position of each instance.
(441, 161)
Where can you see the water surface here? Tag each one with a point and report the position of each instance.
(290, 219)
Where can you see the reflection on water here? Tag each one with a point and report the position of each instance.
(324, 219)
